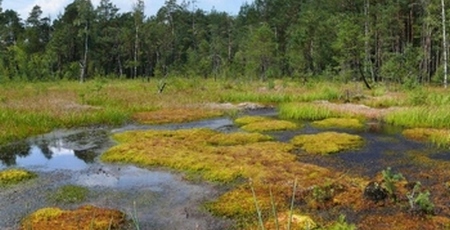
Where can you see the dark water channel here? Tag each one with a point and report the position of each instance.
(163, 200)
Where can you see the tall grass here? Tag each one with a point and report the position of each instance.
(305, 111)
(421, 116)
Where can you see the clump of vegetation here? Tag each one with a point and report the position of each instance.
(294, 221)
(327, 142)
(164, 116)
(70, 194)
(86, 217)
(264, 124)
(420, 117)
(238, 138)
(389, 182)
(346, 123)
(439, 137)
(201, 153)
(273, 125)
(245, 120)
(14, 176)
(341, 224)
(420, 201)
(305, 111)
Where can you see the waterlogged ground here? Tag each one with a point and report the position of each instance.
(164, 200)
(158, 199)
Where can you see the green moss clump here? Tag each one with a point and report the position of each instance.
(439, 137)
(223, 158)
(86, 217)
(14, 176)
(237, 138)
(70, 194)
(245, 120)
(327, 142)
(273, 125)
(165, 116)
(264, 124)
(346, 123)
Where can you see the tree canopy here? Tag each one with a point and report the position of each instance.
(371, 40)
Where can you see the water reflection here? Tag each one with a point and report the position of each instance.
(59, 150)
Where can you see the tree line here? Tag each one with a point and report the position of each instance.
(371, 40)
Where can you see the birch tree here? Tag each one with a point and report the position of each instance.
(85, 10)
(444, 42)
(138, 11)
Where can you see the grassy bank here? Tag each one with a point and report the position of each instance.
(27, 109)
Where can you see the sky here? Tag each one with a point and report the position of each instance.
(54, 7)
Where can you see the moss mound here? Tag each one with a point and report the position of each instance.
(440, 137)
(219, 157)
(264, 124)
(70, 194)
(86, 217)
(14, 176)
(345, 123)
(213, 155)
(165, 116)
(327, 142)
(245, 120)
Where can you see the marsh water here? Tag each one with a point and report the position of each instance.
(163, 199)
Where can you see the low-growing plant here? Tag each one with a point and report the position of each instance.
(420, 200)
(389, 180)
(15, 176)
(341, 224)
(70, 194)
(327, 142)
(85, 217)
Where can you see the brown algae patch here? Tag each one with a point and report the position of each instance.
(165, 116)
(327, 142)
(346, 123)
(439, 137)
(264, 124)
(85, 217)
(14, 176)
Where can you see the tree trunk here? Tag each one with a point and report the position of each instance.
(444, 43)
(83, 64)
(136, 48)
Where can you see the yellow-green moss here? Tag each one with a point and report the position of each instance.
(14, 176)
(238, 138)
(175, 115)
(87, 217)
(273, 125)
(327, 142)
(245, 120)
(70, 194)
(346, 123)
(264, 124)
(298, 221)
(199, 152)
(440, 137)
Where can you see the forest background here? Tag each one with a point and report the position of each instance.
(401, 41)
